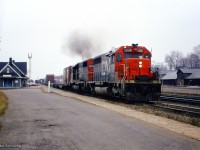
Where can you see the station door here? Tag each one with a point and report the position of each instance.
(7, 82)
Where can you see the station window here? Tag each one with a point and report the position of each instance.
(8, 70)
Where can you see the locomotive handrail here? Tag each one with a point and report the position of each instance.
(123, 78)
(130, 70)
(124, 71)
(127, 71)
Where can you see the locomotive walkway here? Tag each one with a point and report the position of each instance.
(175, 126)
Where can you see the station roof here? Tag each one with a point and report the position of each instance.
(195, 74)
(189, 70)
(164, 72)
(171, 75)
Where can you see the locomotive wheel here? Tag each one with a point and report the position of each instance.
(149, 98)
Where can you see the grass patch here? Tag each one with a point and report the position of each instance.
(3, 103)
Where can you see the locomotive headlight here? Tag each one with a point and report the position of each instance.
(140, 66)
(140, 63)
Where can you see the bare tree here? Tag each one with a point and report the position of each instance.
(196, 56)
(174, 60)
(186, 62)
(163, 67)
(169, 61)
(193, 61)
(197, 49)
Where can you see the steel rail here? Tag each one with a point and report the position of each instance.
(180, 109)
(182, 99)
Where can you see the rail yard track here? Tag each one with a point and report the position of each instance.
(183, 105)
(187, 105)
(186, 110)
(194, 100)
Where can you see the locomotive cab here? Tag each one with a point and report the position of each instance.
(133, 63)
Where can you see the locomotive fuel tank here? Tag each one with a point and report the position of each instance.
(103, 90)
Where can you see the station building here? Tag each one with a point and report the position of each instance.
(188, 77)
(13, 74)
(180, 77)
(169, 77)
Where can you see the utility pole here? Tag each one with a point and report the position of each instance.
(29, 57)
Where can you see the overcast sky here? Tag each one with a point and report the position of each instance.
(44, 27)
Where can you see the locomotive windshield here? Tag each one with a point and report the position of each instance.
(147, 56)
(137, 55)
(128, 55)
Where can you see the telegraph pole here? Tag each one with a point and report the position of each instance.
(29, 57)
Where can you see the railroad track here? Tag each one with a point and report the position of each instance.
(181, 99)
(177, 108)
(180, 104)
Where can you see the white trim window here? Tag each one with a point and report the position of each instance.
(7, 70)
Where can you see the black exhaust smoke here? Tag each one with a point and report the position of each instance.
(82, 44)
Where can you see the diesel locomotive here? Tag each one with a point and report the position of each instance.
(125, 72)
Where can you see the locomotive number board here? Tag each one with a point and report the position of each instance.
(140, 51)
(127, 50)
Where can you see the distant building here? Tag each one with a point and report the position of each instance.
(181, 77)
(188, 77)
(13, 74)
(168, 77)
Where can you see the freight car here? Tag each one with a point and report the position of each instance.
(125, 72)
(58, 81)
(49, 77)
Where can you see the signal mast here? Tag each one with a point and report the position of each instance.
(29, 57)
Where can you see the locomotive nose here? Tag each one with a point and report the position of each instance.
(137, 68)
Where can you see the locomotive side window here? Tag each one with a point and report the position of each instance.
(85, 64)
(147, 56)
(112, 59)
(97, 60)
(137, 55)
(119, 57)
(128, 55)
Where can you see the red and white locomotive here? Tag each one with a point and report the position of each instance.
(125, 72)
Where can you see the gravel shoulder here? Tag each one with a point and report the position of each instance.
(175, 126)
